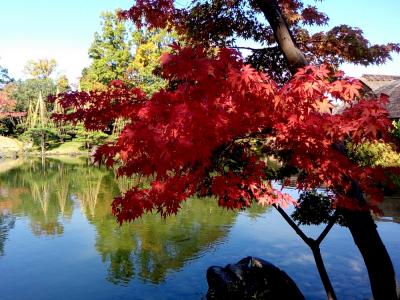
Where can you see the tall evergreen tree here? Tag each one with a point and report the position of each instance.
(110, 54)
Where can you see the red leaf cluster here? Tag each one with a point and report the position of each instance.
(216, 23)
(196, 136)
(161, 12)
(7, 107)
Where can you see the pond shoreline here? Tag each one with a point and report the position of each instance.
(12, 148)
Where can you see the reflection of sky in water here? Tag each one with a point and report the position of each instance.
(166, 259)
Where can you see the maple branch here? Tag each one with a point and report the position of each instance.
(283, 36)
(330, 292)
(314, 245)
(326, 230)
(247, 48)
(306, 239)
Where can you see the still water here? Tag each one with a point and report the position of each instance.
(58, 240)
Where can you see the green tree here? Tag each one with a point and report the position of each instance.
(39, 128)
(62, 84)
(26, 91)
(110, 54)
(41, 68)
(122, 52)
(149, 46)
(4, 76)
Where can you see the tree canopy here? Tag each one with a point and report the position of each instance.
(144, 69)
(197, 135)
(123, 52)
(211, 128)
(215, 23)
(41, 68)
(4, 76)
(26, 91)
(110, 54)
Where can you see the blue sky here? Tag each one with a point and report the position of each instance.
(60, 29)
(63, 29)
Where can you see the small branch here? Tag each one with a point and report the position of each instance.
(314, 245)
(247, 48)
(326, 230)
(310, 242)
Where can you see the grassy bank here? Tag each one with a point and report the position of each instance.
(68, 148)
(12, 148)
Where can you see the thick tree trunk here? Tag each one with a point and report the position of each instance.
(360, 223)
(283, 36)
(377, 260)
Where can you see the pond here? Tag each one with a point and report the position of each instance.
(58, 240)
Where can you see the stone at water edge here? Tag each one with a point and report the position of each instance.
(10, 147)
(251, 278)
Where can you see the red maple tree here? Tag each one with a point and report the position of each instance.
(7, 107)
(198, 135)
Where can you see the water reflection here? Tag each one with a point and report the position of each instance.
(151, 246)
(39, 194)
(391, 209)
(59, 240)
(148, 249)
(7, 222)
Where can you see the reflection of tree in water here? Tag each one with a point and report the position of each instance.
(121, 266)
(7, 222)
(256, 211)
(390, 208)
(63, 189)
(126, 183)
(45, 197)
(151, 247)
(89, 192)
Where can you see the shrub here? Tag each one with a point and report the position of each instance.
(375, 154)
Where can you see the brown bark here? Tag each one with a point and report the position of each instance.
(283, 36)
(361, 225)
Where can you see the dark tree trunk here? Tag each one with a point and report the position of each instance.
(377, 260)
(314, 246)
(360, 223)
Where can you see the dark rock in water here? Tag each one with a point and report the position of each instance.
(251, 278)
